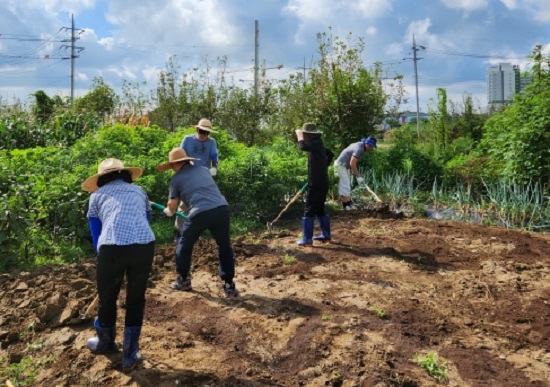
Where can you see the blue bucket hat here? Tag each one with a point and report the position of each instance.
(369, 141)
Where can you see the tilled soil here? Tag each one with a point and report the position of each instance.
(351, 313)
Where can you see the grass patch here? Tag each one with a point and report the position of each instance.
(25, 372)
(380, 313)
(289, 259)
(326, 317)
(435, 367)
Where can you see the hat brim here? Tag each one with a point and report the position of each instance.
(312, 131)
(205, 128)
(90, 184)
(168, 165)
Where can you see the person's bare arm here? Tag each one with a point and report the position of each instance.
(353, 165)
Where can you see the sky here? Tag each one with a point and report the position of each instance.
(131, 41)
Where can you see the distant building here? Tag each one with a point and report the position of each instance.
(504, 81)
(411, 117)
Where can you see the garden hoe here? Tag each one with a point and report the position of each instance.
(90, 310)
(375, 196)
(301, 191)
(161, 207)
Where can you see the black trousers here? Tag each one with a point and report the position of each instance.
(315, 198)
(217, 221)
(134, 261)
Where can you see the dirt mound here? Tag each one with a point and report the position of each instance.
(351, 313)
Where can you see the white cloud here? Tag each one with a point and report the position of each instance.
(539, 8)
(311, 10)
(55, 7)
(420, 29)
(107, 43)
(510, 4)
(176, 22)
(466, 5)
(372, 31)
(372, 9)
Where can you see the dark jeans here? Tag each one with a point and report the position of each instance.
(216, 221)
(315, 198)
(112, 263)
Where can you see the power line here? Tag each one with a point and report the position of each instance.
(470, 55)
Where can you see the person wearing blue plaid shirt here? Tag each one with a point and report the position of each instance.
(118, 214)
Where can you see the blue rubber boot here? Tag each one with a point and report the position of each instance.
(104, 342)
(307, 230)
(130, 348)
(324, 224)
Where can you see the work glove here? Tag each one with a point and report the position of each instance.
(213, 171)
(360, 180)
(168, 212)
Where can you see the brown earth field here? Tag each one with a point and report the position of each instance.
(355, 312)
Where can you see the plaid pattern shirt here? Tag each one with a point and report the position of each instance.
(122, 209)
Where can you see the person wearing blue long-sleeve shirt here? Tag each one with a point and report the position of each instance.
(118, 215)
(202, 147)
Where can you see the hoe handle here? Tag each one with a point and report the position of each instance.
(161, 207)
(301, 191)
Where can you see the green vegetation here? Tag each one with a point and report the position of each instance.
(24, 372)
(435, 367)
(289, 259)
(490, 169)
(380, 313)
(326, 317)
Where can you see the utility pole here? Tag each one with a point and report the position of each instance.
(415, 59)
(304, 68)
(73, 53)
(256, 57)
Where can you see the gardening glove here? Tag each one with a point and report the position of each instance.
(213, 171)
(168, 212)
(360, 180)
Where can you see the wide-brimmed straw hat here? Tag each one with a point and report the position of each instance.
(310, 128)
(176, 155)
(107, 166)
(205, 124)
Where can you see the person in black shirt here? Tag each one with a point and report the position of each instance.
(319, 158)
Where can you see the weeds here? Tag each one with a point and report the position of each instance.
(25, 372)
(326, 317)
(289, 259)
(421, 262)
(380, 313)
(435, 367)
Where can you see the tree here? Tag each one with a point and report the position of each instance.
(43, 107)
(348, 98)
(101, 99)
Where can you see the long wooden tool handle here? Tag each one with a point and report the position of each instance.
(91, 308)
(373, 194)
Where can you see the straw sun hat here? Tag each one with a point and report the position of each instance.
(107, 166)
(205, 124)
(175, 156)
